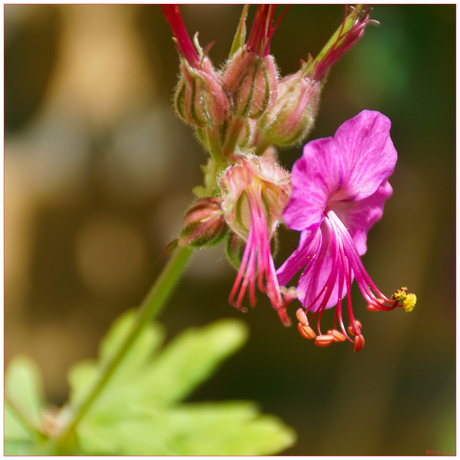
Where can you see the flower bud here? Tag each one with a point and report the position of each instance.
(349, 32)
(293, 114)
(200, 98)
(203, 224)
(254, 183)
(251, 81)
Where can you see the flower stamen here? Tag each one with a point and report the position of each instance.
(359, 343)
(324, 340)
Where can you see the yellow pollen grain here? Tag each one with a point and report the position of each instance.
(400, 294)
(409, 302)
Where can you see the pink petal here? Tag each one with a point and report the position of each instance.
(316, 176)
(367, 153)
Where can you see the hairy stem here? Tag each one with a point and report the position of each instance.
(151, 306)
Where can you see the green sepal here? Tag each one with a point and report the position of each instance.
(240, 36)
(234, 249)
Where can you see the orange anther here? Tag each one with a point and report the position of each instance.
(372, 308)
(338, 336)
(302, 317)
(306, 331)
(324, 340)
(359, 343)
(351, 329)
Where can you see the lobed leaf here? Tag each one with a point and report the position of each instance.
(139, 412)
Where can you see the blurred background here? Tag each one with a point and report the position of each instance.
(99, 171)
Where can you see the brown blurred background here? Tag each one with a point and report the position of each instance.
(98, 172)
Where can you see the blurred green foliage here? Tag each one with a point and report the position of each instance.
(140, 411)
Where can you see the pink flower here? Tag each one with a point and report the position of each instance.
(255, 191)
(340, 185)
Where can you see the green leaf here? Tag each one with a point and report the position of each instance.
(23, 386)
(173, 374)
(18, 447)
(230, 428)
(15, 429)
(234, 428)
(191, 358)
(26, 447)
(142, 349)
(23, 408)
(139, 412)
(80, 378)
(84, 373)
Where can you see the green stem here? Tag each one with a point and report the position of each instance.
(218, 160)
(151, 306)
(212, 134)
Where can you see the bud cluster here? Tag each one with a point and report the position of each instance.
(245, 106)
(240, 112)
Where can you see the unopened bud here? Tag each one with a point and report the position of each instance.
(251, 81)
(203, 224)
(293, 114)
(349, 32)
(200, 98)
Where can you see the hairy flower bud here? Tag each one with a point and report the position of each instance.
(293, 114)
(254, 179)
(251, 81)
(200, 98)
(203, 224)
